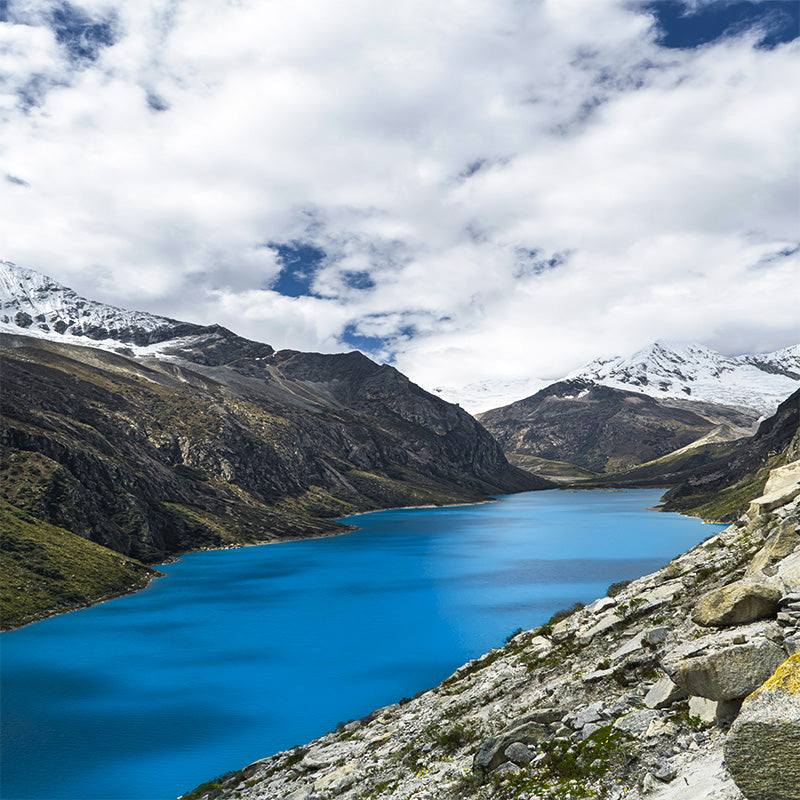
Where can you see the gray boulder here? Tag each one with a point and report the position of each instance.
(655, 636)
(737, 603)
(762, 749)
(492, 753)
(507, 768)
(583, 717)
(636, 723)
(728, 673)
(777, 546)
(703, 709)
(518, 753)
(664, 693)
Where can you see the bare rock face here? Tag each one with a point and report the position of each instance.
(762, 749)
(663, 693)
(736, 604)
(726, 673)
(778, 545)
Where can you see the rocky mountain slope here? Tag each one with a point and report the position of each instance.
(598, 429)
(682, 685)
(213, 440)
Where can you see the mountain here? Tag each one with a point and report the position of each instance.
(722, 489)
(695, 372)
(161, 437)
(34, 304)
(616, 414)
(578, 423)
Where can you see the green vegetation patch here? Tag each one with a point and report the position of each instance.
(387, 492)
(547, 467)
(727, 504)
(48, 570)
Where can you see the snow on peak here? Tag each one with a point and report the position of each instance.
(695, 372)
(36, 305)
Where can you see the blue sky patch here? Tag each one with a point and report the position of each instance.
(81, 36)
(358, 280)
(299, 263)
(357, 341)
(682, 26)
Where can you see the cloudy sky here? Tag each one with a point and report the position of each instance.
(473, 190)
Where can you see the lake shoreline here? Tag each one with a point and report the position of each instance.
(177, 557)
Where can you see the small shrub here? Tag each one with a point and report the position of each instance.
(616, 588)
(456, 737)
(513, 634)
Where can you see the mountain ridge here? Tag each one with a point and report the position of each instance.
(172, 437)
(668, 370)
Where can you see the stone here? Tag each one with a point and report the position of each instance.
(539, 645)
(660, 727)
(583, 717)
(518, 753)
(664, 771)
(792, 644)
(603, 625)
(339, 779)
(588, 730)
(545, 715)
(650, 783)
(628, 649)
(561, 630)
(737, 603)
(654, 636)
(600, 605)
(783, 485)
(703, 709)
(788, 573)
(492, 753)
(728, 673)
(762, 748)
(506, 768)
(777, 546)
(635, 723)
(598, 675)
(663, 693)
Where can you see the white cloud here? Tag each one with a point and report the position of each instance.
(433, 148)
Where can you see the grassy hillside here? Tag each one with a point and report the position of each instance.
(48, 569)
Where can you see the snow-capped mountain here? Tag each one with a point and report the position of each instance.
(694, 372)
(36, 305)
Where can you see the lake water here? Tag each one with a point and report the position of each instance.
(237, 654)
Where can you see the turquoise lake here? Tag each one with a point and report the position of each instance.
(237, 654)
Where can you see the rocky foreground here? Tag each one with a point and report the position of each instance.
(684, 685)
